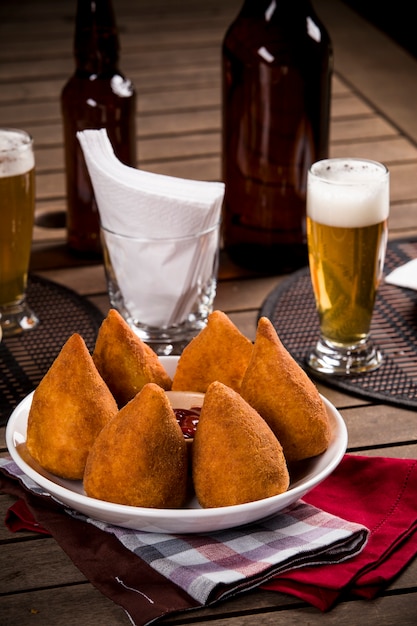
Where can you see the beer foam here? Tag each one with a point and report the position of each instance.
(348, 193)
(16, 154)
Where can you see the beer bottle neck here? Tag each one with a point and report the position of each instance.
(96, 42)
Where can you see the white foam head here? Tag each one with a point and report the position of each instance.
(348, 193)
(16, 152)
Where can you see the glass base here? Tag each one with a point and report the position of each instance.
(167, 349)
(169, 341)
(331, 359)
(15, 319)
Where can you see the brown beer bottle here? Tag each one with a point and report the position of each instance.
(277, 66)
(96, 96)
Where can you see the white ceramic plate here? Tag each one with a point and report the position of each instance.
(192, 518)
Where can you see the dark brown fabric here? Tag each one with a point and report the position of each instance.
(145, 594)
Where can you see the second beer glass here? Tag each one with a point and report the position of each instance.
(17, 206)
(347, 216)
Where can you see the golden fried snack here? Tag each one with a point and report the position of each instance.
(125, 361)
(236, 458)
(70, 406)
(140, 457)
(276, 386)
(218, 352)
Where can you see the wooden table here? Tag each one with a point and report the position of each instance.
(171, 51)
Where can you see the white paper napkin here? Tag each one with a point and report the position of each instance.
(135, 203)
(404, 276)
(138, 203)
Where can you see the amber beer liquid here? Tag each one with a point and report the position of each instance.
(347, 213)
(346, 283)
(17, 202)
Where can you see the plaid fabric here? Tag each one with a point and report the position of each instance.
(239, 558)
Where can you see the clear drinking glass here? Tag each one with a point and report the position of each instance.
(163, 287)
(17, 207)
(347, 217)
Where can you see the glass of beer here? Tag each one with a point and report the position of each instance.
(347, 230)
(17, 207)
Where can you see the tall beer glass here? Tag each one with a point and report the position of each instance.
(17, 205)
(347, 217)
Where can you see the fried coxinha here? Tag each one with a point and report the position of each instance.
(260, 412)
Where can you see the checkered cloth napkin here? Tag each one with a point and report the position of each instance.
(236, 559)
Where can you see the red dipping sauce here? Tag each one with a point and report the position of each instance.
(188, 420)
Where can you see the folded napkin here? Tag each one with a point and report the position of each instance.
(197, 569)
(404, 276)
(147, 206)
(380, 493)
(134, 202)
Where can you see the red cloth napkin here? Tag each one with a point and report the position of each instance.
(381, 494)
(19, 517)
(377, 492)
